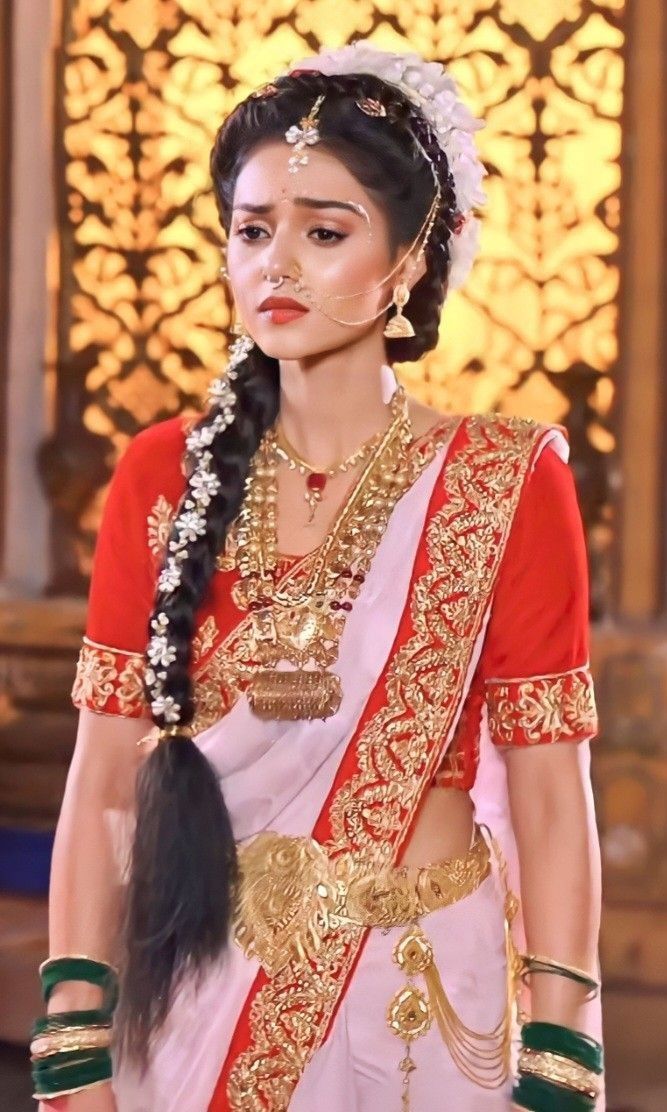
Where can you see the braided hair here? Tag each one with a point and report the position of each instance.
(183, 869)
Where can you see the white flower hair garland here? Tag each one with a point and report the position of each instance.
(434, 92)
(190, 524)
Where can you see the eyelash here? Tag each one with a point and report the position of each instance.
(337, 236)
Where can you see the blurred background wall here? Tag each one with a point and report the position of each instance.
(112, 317)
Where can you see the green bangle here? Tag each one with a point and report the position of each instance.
(55, 1021)
(540, 1095)
(580, 1047)
(72, 1074)
(54, 970)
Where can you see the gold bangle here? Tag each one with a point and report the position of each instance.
(68, 1092)
(81, 957)
(70, 1038)
(559, 1069)
(555, 966)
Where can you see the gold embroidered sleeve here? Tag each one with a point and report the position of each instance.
(539, 709)
(109, 681)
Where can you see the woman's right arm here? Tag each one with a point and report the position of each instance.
(96, 821)
(92, 835)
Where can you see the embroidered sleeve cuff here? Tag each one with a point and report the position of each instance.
(109, 681)
(539, 709)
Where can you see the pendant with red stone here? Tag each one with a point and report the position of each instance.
(315, 484)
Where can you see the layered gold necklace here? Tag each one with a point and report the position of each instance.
(301, 621)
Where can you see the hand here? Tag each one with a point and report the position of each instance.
(99, 1099)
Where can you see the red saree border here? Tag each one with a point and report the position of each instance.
(397, 745)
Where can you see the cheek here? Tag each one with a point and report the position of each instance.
(359, 267)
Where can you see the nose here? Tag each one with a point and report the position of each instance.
(278, 259)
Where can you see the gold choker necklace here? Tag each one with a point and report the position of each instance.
(316, 477)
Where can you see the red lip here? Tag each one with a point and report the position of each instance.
(282, 303)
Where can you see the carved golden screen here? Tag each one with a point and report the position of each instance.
(142, 312)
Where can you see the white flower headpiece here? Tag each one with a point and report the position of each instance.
(434, 92)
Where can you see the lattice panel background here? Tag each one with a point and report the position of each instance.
(142, 313)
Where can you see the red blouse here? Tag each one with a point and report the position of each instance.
(531, 684)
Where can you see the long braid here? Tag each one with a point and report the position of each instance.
(177, 909)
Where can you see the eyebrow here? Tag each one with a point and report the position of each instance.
(306, 202)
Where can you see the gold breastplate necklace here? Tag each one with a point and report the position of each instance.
(300, 619)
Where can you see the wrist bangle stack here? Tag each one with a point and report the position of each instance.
(534, 963)
(559, 1069)
(70, 1051)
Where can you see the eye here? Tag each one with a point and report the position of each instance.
(249, 228)
(336, 236)
(251, 233)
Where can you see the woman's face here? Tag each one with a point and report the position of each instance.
(318, 223)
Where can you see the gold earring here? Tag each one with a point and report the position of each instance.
(399, 327)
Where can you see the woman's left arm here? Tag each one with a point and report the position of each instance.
(541, 714)
(553, 819)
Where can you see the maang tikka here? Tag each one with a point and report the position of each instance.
(302, 135)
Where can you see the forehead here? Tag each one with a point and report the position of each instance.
(266, 178)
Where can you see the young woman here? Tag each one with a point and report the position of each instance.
(342, 639)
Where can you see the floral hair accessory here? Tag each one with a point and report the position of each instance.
(433, 91)
(190, 524)
(302, 135)
(371, 107)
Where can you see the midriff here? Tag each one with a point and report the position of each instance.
(443, 827)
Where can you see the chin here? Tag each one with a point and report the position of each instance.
(290, 347)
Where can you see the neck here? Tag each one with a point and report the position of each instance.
(332, 403)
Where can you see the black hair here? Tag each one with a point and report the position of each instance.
(183, 872)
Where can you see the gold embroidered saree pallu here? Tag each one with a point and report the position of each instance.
(352, 782)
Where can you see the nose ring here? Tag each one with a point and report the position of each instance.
(275, 282)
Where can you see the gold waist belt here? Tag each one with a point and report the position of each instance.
(292, 896)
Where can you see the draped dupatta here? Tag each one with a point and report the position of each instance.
(240, 1039)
